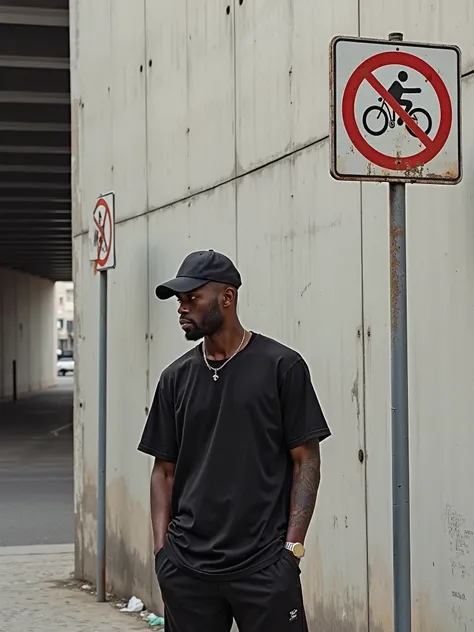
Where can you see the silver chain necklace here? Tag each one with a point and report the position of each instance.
(215, 377)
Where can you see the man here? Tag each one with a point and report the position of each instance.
(234, 427)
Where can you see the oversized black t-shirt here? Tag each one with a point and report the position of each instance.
(230, 440)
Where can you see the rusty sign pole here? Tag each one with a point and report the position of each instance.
(399, 406)
(102, 440)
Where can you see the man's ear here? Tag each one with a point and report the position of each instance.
(229, 297)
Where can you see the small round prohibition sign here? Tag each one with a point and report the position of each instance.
(101, 261)
(365, 72)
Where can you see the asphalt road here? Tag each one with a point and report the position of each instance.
(36, 468)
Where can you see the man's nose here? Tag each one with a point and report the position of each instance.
(182, 309)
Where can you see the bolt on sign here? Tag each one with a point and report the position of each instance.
(395, 111)
(102, 233)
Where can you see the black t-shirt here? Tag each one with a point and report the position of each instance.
(231, 441)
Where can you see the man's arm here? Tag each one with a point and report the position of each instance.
(306, 477)
(304, 427)
(160, 500)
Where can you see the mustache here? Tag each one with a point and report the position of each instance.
(187, 321)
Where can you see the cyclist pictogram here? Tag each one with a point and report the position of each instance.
(377, 119)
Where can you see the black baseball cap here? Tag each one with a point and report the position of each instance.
(198, 269)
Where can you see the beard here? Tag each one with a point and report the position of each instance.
(211, 323)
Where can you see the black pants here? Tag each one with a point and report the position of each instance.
(267, 601)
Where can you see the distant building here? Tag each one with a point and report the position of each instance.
(65, 315)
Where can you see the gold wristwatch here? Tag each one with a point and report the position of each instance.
(296, 548)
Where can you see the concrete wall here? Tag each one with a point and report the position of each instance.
(27, 332)
(212, 128)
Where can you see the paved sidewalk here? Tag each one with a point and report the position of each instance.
(36, 468)
(33, 595)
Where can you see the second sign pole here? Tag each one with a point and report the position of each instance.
(399, 406)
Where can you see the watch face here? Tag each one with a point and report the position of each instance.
(298, 550)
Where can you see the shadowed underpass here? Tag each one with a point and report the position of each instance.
(36, 438)
(35, 144)
(36, 468)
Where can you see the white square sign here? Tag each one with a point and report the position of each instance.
(102, 233)
(395, 111)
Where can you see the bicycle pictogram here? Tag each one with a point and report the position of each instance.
(377, 119)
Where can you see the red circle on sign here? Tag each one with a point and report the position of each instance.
(108, 217)
(398, 163)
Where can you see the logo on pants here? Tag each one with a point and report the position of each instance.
(293, 616)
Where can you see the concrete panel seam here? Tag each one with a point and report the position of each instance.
(147, 198)
(234, 48)
(364, 398)
(214, 187)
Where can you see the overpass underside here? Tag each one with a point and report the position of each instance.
(35, 187)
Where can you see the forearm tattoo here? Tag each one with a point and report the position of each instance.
(304, 491)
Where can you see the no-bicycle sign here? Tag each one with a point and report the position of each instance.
(395, 111)
(102, 233)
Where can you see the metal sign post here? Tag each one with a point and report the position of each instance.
(102, 252)
(401, 547)
(381, 133)
(102, 451)
(399, 408)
